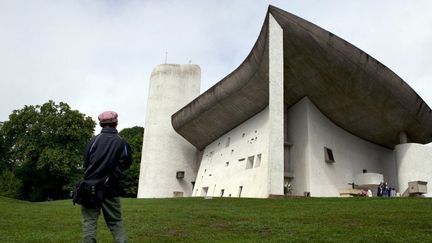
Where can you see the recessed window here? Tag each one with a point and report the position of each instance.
(242, 159)
(258, 161)
(228, 142)
(243, 135)
(227, 163)
(180, 174)
(328, 154)
(249, 162)
(204, 191)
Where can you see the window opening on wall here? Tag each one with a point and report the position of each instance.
(210, 157)
(218, 143)
(204, 191)
(180, 174)
(243, 135)
(232, 151)
(249, 162)
(228, 142)
(240, 191)
(258, 160)
(222, 192)
(256, 131)
(227, 163)
(241, 159)
(328, 153)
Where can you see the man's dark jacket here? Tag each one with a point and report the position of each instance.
(107, 154)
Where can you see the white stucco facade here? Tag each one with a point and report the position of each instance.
(164, 151)
(236, 164)
(229, 166)
(309, 132)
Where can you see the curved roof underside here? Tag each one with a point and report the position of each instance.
(351, 88)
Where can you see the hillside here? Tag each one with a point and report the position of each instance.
(229, 220)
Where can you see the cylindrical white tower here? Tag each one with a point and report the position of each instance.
(168, 161)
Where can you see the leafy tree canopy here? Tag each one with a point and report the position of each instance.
(43, 146)
(134, 136)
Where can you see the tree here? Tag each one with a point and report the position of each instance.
(9, 184)
(134, 136)
(44, 147)
(2, 150)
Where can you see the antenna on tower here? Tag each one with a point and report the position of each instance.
(166, 57)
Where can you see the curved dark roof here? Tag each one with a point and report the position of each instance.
(351, 88)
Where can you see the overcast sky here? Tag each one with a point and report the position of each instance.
(98, 55)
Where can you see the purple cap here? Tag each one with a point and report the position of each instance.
(108, 117)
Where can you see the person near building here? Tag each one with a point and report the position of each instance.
(106, 156)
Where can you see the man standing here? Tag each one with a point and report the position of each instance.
(106, 156)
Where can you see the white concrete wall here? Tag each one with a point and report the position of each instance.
(297, 135)
(414, 163)
(351, 153)
(276, 108)
(246, 140)
(164, 151)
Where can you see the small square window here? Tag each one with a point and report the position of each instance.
(180, 174)
(250, 162)
(328, 155)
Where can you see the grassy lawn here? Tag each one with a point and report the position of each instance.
(230, 220)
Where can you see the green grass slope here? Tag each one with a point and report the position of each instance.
(230, 220)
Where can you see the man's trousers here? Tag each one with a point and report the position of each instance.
(112, 215)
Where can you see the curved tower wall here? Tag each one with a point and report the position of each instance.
(164, 151)
(414, 163)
